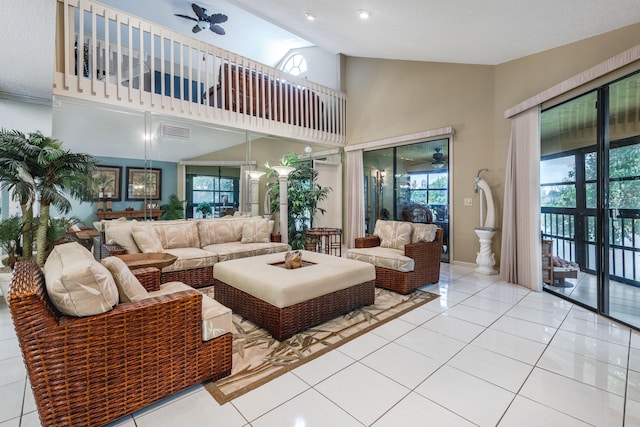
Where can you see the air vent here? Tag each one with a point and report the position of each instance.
(175, 132)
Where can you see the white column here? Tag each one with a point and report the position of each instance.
(283, 177)
(255, 191)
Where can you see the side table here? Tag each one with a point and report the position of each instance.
(324, 240)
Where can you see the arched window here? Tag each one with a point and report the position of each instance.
(296, 65)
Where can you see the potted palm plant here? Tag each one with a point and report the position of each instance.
(10, 229)
(173, 209)
(304, 194)
(35, 165)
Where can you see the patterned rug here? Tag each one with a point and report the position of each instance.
(258, 358)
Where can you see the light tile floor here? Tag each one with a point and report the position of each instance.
(485, 353)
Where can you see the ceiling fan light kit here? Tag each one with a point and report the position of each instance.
(205, 21)
(437, 162)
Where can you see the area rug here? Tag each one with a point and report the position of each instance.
(258, 358)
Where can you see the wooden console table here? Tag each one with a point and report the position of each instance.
(149, 213)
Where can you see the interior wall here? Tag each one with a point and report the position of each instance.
(391, 98)
(86, 211)
(323, 67)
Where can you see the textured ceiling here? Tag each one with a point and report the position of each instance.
(460, 31)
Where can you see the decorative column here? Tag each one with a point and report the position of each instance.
(255, 191)
(485, 259)
(283, 178)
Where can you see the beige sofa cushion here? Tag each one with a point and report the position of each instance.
(189, 258)
(393, 259)
(236, 250)
(177, 234)
(77, 284)
(216, 318)
(129, 287)
(423, 232)
(393, 234)
(222, 230)
(119, 232)
(257, 231)
(146, 239)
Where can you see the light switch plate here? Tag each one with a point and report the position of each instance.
(468, 201)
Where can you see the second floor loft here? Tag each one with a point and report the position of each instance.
(107, 56)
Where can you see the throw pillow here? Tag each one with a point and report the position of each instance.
(393, 234)
(423, 233)
(119, 232)
(146, 239)
(129, 287)
(256, 231)
(77, 284)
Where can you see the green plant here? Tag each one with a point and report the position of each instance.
(10, 229)
(205, 209)
(304, 194)
(36, 165)
(173, 209)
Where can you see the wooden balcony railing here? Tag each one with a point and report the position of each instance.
(105, 55)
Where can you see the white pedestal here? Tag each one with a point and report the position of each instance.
(486, 259)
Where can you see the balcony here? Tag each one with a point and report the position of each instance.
(573, 236)
(104, 55)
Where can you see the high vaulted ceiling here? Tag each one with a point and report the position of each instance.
(460, 31)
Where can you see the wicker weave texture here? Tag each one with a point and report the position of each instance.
(426, 256)
(195, 277)
(282, 323)
(93, 370)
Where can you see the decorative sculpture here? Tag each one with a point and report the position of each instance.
(293, 260)
(485, 258)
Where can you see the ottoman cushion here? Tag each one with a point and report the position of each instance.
(280, 287)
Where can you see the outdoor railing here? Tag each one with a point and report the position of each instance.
(575, 240)
(105, 55)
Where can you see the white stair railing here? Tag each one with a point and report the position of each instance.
(108, 56)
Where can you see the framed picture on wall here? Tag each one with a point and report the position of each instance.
(144, 184)
(108, 178)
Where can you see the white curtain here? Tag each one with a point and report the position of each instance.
(355, 197)
(520, 252)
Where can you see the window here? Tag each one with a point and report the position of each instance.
(219, 192)
(296, 65)
(429, 188)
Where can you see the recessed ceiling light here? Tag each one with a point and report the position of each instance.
(310, 16)
(364, 14)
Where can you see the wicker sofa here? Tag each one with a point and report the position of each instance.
(198, 244)
(406, 255)
(89, 370)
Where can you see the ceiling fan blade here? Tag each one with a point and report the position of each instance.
(187, 17)
(196, 29)
(217, 29)
(199, 11)
(218, 18)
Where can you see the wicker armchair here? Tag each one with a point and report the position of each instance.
(426, 256)
(89, 371)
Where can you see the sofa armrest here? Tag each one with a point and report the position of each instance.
(367, 242)
(425, 253)
(149, 277)
(171, 315)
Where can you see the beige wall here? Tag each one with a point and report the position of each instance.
(391, 98)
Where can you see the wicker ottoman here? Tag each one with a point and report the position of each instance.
(285, 302)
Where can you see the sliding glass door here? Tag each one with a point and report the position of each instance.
(590, 199)
(409, 183)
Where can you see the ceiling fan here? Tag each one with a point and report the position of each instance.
(204, 21)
